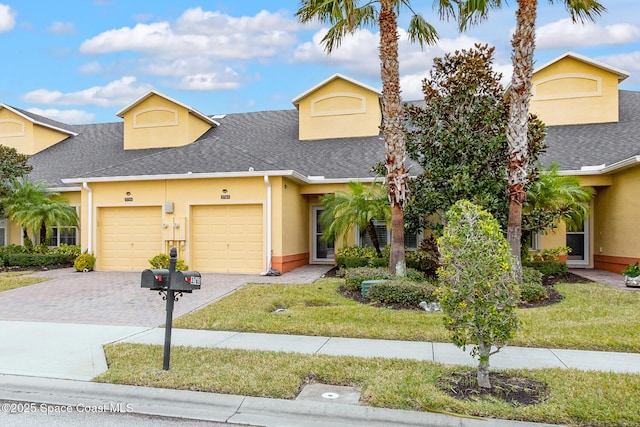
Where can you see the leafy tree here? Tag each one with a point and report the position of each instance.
(345, 17)
(523, 44)
(32, 207)
(553, 198)
(12, 165)
(478, 290)
(458, 138)
(359, 206)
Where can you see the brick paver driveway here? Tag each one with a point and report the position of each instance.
(116, 298)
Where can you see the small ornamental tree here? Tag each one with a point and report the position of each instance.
(478, 289)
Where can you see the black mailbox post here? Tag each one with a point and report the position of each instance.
(168, 283)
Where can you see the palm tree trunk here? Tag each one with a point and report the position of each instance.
(371, 229)
(393, 131)
(523, 43)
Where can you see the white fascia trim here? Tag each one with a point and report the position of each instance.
(313, 180)
(63, 189)
(296, 100)
(35, 122)
(189, 175)
(600, 170)
(161, 95)
(622, 74)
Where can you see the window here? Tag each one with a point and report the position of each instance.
(63, 235)
(3, 232)
(411, 240)
(534, 239)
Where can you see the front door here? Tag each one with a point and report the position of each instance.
(322, 250)
(578, 241)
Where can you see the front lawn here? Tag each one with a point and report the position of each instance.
(573, 397)
(17, 279)
(590, 317)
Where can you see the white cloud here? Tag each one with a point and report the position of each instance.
(628, 62)
(65, 116)
(59, 27)
(358, 55)
(201, 33)
(7, 18)
(119, 92)
(564, 34)
(91, 68)
(226, 80)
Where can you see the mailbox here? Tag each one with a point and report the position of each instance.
(185, 281)
(156, 280)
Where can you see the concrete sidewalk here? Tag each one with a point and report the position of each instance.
(508, 358)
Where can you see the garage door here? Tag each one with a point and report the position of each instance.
(129, 237)
(227, 238)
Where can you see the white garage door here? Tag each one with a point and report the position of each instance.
(227, 238)
(129, 236)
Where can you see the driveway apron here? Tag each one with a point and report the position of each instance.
(116, 298)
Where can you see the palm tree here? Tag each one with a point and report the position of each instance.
(33, 208)
(345, 17)
(359, 206)
(523, 46)
(553, 198)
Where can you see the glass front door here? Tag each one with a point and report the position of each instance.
(322, 250)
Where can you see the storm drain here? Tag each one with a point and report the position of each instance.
(330, 393)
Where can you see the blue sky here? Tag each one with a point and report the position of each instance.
(80, 61)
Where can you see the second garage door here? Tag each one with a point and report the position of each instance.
(129, 237)
(227, 238)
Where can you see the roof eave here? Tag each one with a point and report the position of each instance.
(603, 169)
(36, 122)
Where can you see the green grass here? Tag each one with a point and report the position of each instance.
(13, 280)
(575, 397)
(591, 317)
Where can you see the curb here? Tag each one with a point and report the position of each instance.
(231, 409)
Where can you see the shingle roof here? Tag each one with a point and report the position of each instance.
(268, 141)
(96, 146)
(264, 141)
(575, 146)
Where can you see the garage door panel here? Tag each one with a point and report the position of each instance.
(129, 236)
(227, 238)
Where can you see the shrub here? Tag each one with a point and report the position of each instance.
(361, 256)
(162, 261)
(84, 262)
(402, 291)
(425, 259)
(479, 290)
(355, 276)
(34, 260)
(547, 268)
(71, 251)
(14, 249)
(40, 248)
(532, 289)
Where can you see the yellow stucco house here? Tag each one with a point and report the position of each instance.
(234, 193)
(241, 192)
(594, 134)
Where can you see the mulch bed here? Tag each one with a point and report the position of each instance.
(515, 390)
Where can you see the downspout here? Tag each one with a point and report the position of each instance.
(89, 217)
(268, 207)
